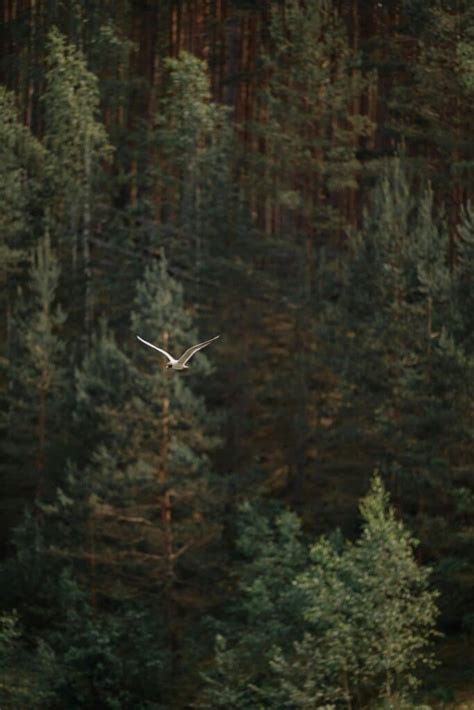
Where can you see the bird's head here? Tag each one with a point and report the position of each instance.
(168, 366)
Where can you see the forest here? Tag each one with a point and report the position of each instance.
(289, 523)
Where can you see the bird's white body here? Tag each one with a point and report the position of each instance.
(176, 366)
(180, 363)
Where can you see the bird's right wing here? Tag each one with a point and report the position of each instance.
(190, 351)
(163, 352)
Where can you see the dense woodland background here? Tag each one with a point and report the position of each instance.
(296, 177)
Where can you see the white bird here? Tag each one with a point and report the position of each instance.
(180, 363)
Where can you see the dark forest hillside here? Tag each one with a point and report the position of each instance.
(290, 522)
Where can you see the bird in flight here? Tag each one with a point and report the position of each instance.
(180, 363)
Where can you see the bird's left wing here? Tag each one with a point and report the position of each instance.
(163, 352)
(187, 355)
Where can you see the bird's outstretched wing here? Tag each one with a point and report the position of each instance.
(160, 350)
(187, 355)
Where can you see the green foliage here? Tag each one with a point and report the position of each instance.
(192, 138)
(186, 433)
(437, 120)
(77, 146)
(21, 159)
(153, 444)
(114, 659)
(111, 660)
(36, 391)
(402, 358)
(267, 613)
(187, 119)
(350, 625)
(310, 132)
(8, 633)
(464, 280)
(103, 382)
(26, 676)
(109, 54)
(75, 138)
(135, 514)
(369, 612)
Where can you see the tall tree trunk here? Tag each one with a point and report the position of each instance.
(166, 501)
(86, 235)
(41, 438)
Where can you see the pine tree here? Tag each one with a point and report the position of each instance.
(86, 656)
(346, 319)
(369, 613)
(266, 613)
(191, 132)
(113, 659)
(21, 163)
(26, 675)
(349, 625)
(137, 510)
(20, 167)
(433, 120)
(309, 127)
(297, 179)
(34, 402)
(206, 224)
(402, 364)
(145, 431)
(134, 517)
(181, 464)
(77, 144)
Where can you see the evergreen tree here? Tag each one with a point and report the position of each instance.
(191, 133)
(21, 161)
(370, 616)
(184, 437)
(402, 362)
(433, 120)
(309, 126)
(34, 429)
(348, 626)
(297, 180)
(86, 656)
(26, 675)
(20, 167)
(134, 517)
(464, 305)
(207, 227)
(113, 659)
(136, 511)
(77, 145)
(267, 612)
